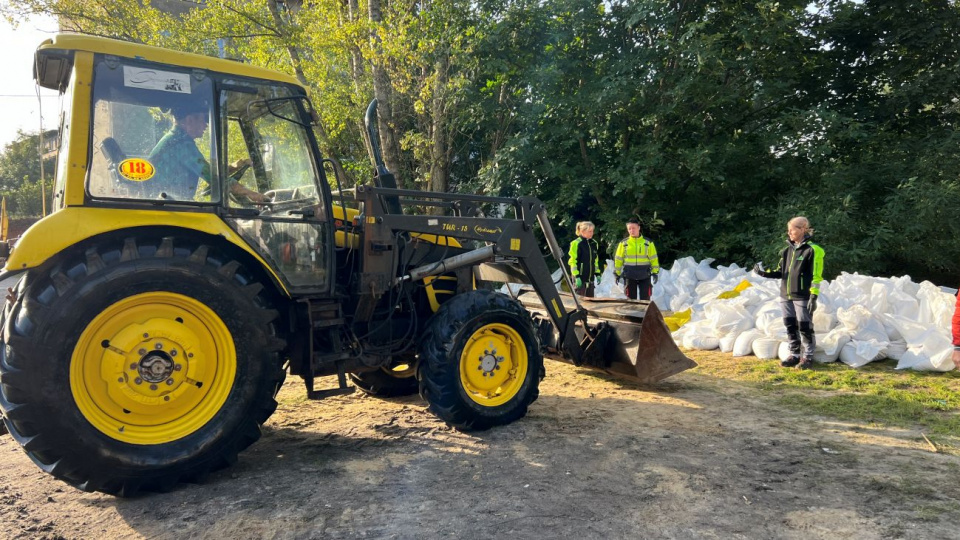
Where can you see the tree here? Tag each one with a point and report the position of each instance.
(20, 175)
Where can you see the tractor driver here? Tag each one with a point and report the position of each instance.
(178, 163)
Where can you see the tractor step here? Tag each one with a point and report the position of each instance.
(317, 395)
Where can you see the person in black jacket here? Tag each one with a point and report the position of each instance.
(584, 259)
(800, 272)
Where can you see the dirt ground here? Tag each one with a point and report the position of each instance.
(693, 457)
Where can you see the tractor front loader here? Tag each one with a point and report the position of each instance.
(197, 252)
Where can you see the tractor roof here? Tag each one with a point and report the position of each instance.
(55, 56)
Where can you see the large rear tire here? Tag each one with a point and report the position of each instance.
(137, 364)
(480, 362)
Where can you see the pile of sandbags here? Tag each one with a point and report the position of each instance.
(859, 319)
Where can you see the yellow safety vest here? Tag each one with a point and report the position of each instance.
(636, 251)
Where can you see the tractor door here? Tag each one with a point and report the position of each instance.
(276, 196)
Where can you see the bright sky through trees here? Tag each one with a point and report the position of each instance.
(19, 105)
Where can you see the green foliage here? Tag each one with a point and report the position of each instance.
(714, 122)
(20, 175)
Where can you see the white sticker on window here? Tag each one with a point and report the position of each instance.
(155, 79)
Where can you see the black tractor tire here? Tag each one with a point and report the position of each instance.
(47, 404)
(386, 382)
(445, 362)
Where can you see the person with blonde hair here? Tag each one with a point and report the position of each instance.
(584, 259)
(800, 271)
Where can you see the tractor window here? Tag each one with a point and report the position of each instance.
(151, 138)
(268, 158)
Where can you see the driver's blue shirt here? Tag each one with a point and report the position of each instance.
(179, 165)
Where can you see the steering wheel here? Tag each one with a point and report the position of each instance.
(238, 174)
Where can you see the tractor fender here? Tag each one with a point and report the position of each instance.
(71, 226)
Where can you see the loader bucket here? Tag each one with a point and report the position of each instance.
(633, 336)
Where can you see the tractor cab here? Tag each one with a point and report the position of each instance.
(171, 137)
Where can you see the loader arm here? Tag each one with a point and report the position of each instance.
(512, 241)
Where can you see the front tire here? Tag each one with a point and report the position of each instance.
(480, 362)
(137, 364)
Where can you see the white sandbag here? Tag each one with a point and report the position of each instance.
(731, 273)
(824, 320)
(829, 346)
(727, 342)
(753, 297)
(936, 306)
(685, 263)
(860, 353)
(766, 348)
(776, 330)
(916, 359)
(511, 289)
(727, 318)
(902, 304)
(608, 287)
(862, 324)
(744, 343)
(783, 351)
(680, 302)
(896, 349)
(701, 342)
(922, 339)
(704, 272)
(768, 313)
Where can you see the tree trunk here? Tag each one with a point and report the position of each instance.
(383, 91)
(357, 73)
(439, 150)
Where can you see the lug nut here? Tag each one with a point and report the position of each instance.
(158, 346)
(120, 379)
(153, 387)
(142, 352)
(166, 398)
(133, 367)
(169, 382)
(177, 367)
(189, 355)
(146, 335)
(138, 380)
(173, 352)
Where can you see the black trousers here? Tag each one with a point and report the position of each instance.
(638, 289)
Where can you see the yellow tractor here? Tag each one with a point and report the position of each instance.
(200, 248)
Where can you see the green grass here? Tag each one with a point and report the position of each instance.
(874, 394)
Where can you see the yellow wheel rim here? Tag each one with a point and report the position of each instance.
(402, 370)
(153, 368)
(493, 365)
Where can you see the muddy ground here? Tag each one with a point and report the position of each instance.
(694, 457)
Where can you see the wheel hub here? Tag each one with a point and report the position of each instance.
(489, 362)
(156, 366)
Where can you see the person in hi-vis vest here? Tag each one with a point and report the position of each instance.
(636, 264)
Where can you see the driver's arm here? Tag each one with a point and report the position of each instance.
(237, 189)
